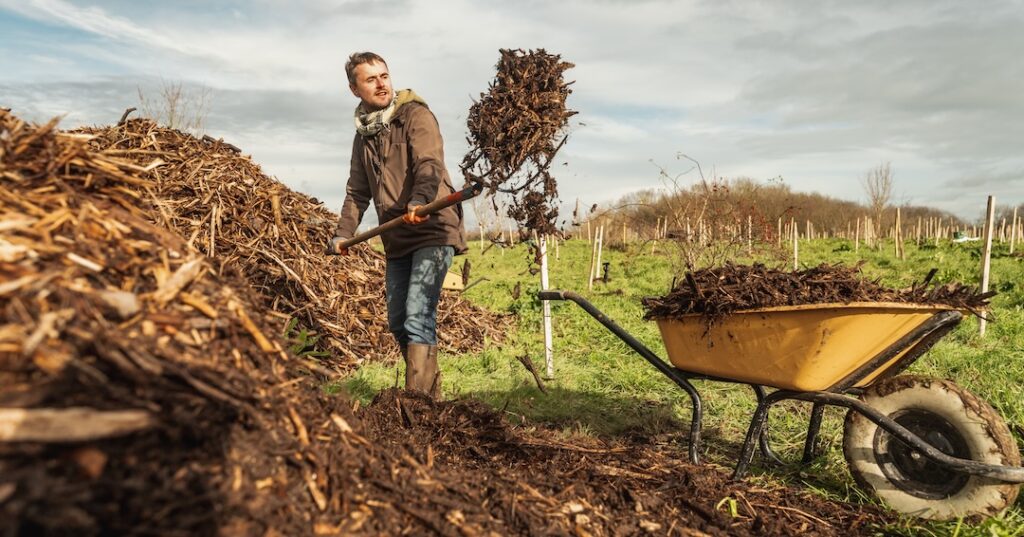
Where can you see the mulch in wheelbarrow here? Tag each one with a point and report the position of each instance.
(719, 291)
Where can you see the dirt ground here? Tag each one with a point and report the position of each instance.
(409, 466)
(530, 482)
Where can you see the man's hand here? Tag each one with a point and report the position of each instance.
(411, 218)
(335, 247)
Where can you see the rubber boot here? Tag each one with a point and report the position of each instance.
(435, 379)
(421, 371)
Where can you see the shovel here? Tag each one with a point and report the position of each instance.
(422, 210)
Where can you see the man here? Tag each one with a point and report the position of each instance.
(398, 162)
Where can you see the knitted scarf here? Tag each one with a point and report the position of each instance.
(370, 124)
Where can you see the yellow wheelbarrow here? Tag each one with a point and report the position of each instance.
(926, 447)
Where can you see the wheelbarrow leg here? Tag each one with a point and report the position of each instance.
(765, 445)
(757, 424)
(817, 411)
(696, 419)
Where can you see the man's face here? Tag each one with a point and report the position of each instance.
(373, 85)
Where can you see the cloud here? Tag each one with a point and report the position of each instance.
(933, 87)
(97, 21)
(816, 92)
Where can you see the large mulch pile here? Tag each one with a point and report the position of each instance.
(145, 392)
(252, 225)
(719, 291)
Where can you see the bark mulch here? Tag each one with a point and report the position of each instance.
(515, 130)
(254, 226)
(146, 392)
(719, 291)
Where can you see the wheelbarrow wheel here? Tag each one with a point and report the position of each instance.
(949, 418)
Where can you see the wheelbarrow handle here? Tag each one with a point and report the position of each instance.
(647, 354)
(423, 210)
(551, 295)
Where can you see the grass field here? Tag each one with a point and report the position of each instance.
(600, 387)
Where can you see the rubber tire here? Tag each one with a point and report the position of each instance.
(985, 433)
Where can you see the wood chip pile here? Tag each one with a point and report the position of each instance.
(254, 226)
(111, 326)
(515, 130)
(144, 392)
(717, 292)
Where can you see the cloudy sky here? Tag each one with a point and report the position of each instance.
(815, 92)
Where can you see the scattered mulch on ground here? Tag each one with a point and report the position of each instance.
(145, 393)
(515, 130)
(495, 477)
(253, 226)
(717, 292)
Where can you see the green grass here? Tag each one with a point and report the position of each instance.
(601, 387)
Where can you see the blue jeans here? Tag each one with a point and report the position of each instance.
(413, 288)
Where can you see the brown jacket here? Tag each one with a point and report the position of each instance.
(402, 166)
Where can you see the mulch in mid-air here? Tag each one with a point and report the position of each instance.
(515, 130)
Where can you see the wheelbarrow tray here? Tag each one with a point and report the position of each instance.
(807, 348)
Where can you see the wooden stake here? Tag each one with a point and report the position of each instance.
(548, 354)
(1013, 230)
(593, 261)
(796, 248)
(479, 225)
(897, 234)
(986, 257)
(750, 244)
(856, 238)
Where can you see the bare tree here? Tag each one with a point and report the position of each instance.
(709, 224)
(878, 186)
(177, 106)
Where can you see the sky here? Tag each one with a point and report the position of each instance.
(814, 92)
